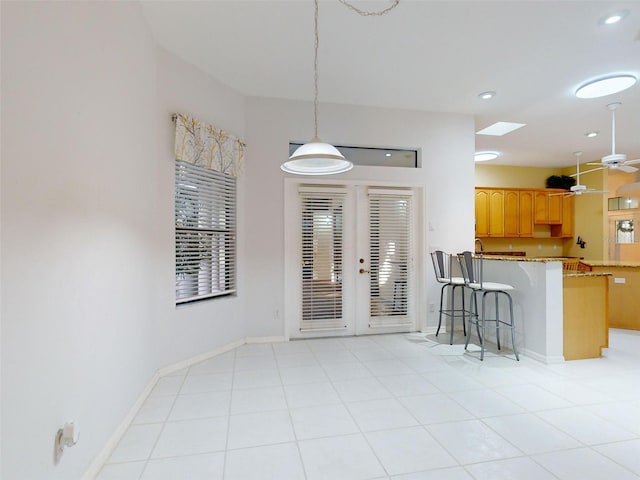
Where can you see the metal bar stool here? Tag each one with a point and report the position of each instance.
(442, 263)
(471, 267)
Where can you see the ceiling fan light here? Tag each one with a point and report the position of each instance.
(605, 86)
(614, 158)
(316, 158)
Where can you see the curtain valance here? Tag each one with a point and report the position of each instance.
(206, 146)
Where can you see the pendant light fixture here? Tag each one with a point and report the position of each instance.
(316, 157)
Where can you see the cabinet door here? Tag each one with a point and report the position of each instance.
(555, 209)
(567, 216)
(511, 213)
(482, 213)
(525, 210)
(496, 213)
(541, 208)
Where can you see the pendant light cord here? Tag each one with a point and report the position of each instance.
(315, 76)
(365, 13)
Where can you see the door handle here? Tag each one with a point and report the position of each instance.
(362, 270)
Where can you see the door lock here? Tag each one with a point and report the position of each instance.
(362, 270)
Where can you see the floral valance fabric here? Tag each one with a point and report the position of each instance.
(206, 146)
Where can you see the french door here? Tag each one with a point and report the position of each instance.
(353, 272)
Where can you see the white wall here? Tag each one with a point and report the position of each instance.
(185, 331)
(87, 225)
(446, 144)
(87, 217)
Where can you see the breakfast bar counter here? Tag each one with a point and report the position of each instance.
(624, 292)
(540, 286)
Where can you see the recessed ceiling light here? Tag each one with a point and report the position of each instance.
(387, 154)
(613, 17)
(500, 128)
(591, 134)
(605, 86)
(487, 95)
(485, 156)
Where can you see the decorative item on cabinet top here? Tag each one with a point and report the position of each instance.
(517, 212)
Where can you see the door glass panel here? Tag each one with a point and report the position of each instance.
(624, 231)
(322, 246)
(390, 247)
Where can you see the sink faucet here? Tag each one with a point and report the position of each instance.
(481, 244)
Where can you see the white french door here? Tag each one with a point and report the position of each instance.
(353, 272)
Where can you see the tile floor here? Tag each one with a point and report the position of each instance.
(388, 407)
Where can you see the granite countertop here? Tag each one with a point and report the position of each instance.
(611, 263)
(524, 259)
(587, 274)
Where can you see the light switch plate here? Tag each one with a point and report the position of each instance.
(619, 280)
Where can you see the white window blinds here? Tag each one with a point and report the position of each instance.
(205, 233)
(390, 238)
(322, 247)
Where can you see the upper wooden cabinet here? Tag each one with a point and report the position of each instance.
(565, 229)
(513, 212)
(518, 213)
(548, 208)
(489, 212)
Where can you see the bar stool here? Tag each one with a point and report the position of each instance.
(442, 263)
(471, 267)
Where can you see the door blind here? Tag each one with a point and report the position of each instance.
(321, 268)
(390, 242)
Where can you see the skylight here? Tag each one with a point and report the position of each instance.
(500, 128)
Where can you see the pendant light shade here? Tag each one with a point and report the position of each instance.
(316, 158)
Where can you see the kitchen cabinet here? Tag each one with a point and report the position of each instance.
(513, 212)
(548, 208)
(489, 212)
(585, 308)
(518, 213)
(624, 285)
(565, 229)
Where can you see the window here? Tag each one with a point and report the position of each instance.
(377, 157)
(205, 216)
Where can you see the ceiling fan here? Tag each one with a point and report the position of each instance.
(579, 189)
(615, 161)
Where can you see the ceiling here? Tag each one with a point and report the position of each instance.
(433, 56)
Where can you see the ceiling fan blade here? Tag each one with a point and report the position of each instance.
(594, 170)
(594, 163)
(632, 162)
(626, 168)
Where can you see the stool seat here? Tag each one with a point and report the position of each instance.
(493, 286)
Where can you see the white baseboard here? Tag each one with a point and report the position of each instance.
(169, 369)
(99, 461)
(543, 358)
(430, 330)
(275, 339)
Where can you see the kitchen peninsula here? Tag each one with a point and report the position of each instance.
(624, 292)
(555, 319)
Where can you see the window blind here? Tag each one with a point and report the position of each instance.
(322, 247)
(390, 238)
(205, 232)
